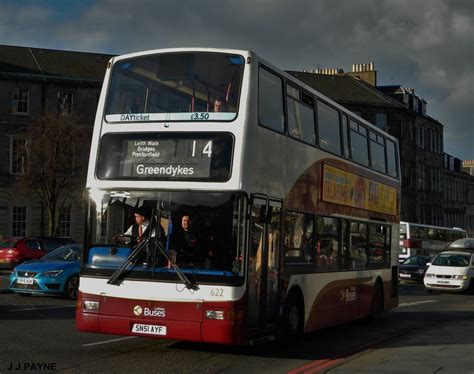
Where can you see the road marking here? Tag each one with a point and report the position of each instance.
(317, 366)
(418, 302)
(108, 341)
(43, 307)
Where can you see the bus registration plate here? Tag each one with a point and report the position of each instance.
(149, 329)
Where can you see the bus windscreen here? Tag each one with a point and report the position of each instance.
(199, 86)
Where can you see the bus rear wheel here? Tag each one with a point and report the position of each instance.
(377, 304)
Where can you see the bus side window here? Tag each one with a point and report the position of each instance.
(327, 243)
(329, 128)
(299, 238)
(359, 145)
(270, 101)
(358, 245)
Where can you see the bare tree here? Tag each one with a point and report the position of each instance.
(57, 148)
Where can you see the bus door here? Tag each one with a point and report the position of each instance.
(264, 263)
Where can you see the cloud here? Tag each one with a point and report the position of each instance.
(426, 45)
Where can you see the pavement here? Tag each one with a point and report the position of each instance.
(442, 348)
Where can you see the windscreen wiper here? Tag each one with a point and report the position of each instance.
(190, 284)
(114, 279)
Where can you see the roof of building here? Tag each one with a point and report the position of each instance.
(54, 64)
(346, 89)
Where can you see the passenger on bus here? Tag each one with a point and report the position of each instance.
(187, 244)
(220, 105)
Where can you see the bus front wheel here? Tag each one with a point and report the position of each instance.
(292, 319)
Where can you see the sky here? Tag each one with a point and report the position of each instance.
(420, 44)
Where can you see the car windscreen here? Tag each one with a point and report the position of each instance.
(453, 260)
(418, 261)
(65, 253)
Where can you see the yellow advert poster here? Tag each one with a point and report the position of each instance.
(345, 188)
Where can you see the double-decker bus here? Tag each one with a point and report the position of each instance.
(294, 202)
(426, 240)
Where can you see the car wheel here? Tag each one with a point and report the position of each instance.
(71, 287)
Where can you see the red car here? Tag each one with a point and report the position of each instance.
(16, 251)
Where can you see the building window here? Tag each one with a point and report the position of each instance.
(18, 221)
(66, 164)
(64, 103)
(381, 120)
(18, 157)
(64, 224)
(20, 101)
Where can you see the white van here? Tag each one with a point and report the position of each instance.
(452, 270)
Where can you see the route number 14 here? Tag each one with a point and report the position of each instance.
(206, 150)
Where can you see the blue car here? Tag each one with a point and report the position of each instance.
(56, 273)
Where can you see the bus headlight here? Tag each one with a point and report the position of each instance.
(90, 306)
(215, 314)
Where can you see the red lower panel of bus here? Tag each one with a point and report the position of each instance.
(160, 319)
(343, 301)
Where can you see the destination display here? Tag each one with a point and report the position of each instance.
(166, 156)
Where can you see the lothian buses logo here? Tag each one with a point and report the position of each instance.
(137, 310)
(147, 312)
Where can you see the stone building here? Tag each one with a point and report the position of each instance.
(35, 81)
(458, 194)
(403, 114)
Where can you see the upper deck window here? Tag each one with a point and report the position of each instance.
(359, 148)
(271, 112)
(329, 130)
(300, 116)
(391, 159)
(175, 87)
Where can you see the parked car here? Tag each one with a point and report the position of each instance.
(413, 268)
(15, 251)
(56, 273)
(452, 270)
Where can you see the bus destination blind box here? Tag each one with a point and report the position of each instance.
(168, 156)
